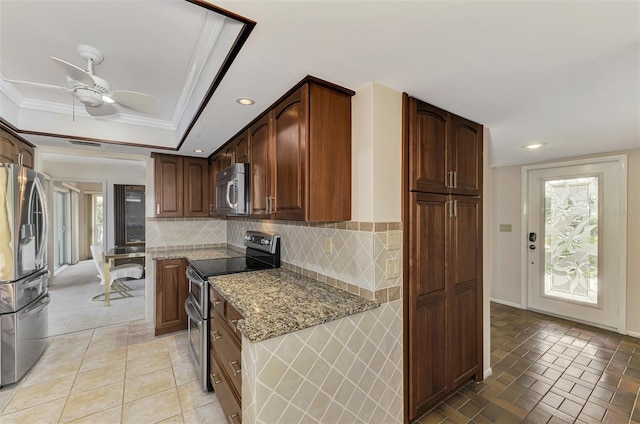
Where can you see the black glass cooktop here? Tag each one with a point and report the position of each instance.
(221, 266)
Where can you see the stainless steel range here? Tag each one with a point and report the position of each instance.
(262, 252)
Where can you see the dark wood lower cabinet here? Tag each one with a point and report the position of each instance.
(444, 297)
(171, 292)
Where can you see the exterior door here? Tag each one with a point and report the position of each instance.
(576, 241)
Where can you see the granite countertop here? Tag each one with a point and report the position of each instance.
(195, 254)
(277, 302)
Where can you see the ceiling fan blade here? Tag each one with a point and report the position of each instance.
(37, 84)
(103, 110)
(74, 72)
(134, 100)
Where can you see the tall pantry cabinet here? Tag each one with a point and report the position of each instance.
(442, 215)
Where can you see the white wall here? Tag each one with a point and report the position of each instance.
(376, 154)
(507, 248)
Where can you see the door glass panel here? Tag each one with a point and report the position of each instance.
(571, 239)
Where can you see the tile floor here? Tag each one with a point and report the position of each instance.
(116, 374)
(549, 370)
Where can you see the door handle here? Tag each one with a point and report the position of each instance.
(450, 174)
(229, 185)
(455, 208)
(455, 179)
(157, 208)
(235, 368)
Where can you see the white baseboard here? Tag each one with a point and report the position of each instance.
(488, 373)
(633, 334)
(507, 303)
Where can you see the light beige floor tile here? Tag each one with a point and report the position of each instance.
(46, 413)
(210, 413)
(46, 372)
(173, 420)
(148, 384)
(37, 394)
(98, 377)
(103, 359)
(184, 373)
(147, 348)
(152, 408)
(147, 364)
(180, 355)
(108, 416)
(92, 401)
(108, 342)
(6, 393)
(72, 340)
(192, 396)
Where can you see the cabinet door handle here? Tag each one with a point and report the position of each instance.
(234, 418)
(455, 209)
(455, 179)
(216, 335)
(273, 204)
(234, 324)
(266, 204)
(157, 208)
(450, 175)
(215, 380)
(233, 365)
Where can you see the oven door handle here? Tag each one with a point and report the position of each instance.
(194, 278)
(192, 312)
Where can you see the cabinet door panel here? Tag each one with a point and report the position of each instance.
(8, 147)
(465, 155)
(427, 148)
(169, 184)
(428, 308)
(171, 293)
(465, 282)
(196, 178)
(290, 126)
(241, 149)
(259, 135)
(26, 152)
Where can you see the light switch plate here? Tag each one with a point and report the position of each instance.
(505, 228)
(393, 240)
(392, 268)
(328, 245)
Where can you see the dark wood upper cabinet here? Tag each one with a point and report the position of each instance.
(241, 148)
(169, 183)
(449, 148)
(196, 187)
(260, 167)
(14, 150)
(300, 156)
(181, 186)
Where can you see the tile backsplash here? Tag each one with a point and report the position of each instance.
(184, 232)
(357, 257)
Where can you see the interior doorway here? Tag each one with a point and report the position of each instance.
(576, 240)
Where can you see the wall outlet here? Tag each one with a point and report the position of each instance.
(393, 240)
(392, 268)
(328, 245)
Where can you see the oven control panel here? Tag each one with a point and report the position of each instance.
(262, 241)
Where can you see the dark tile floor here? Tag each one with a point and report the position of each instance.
(549, 370)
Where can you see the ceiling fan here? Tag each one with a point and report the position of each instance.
(95, 92)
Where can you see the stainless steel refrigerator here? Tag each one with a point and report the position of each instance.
(23, 271)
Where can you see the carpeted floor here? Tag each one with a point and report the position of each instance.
(71, 308)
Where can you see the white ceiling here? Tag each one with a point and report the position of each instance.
(562, 72)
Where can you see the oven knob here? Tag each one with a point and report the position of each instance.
(265, 242)
(247, 238)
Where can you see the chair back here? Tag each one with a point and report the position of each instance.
(98, 258)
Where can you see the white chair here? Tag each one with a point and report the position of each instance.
(116, 274)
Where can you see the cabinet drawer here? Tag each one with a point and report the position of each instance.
(233, 317)
(230, 404)
(217, 303)
(227, 349)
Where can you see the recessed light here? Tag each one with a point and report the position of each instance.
(199, 151)
(108, 99)
(534, 146)
(245, 101)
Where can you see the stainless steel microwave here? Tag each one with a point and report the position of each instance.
(232, 190)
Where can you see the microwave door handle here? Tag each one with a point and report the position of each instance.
(231, 184)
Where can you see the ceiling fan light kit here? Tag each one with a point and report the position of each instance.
(93, 91)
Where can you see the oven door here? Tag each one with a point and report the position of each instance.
(197, 333)
(198, 291)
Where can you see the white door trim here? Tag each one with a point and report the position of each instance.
(621, 160)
